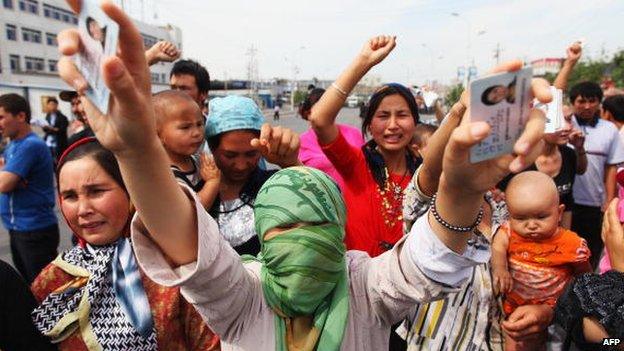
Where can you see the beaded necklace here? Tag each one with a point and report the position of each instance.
(391, 199)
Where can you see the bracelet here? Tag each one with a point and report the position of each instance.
(447, 225)
(335, 86)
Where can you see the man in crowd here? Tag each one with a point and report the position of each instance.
(27, 187)
(596, 187)
(82, 130)
(613, 111)
(192, 78)
(55, 129)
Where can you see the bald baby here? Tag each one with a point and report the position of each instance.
(174, 105)
(533, 203)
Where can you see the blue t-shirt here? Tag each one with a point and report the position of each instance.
(30, 206)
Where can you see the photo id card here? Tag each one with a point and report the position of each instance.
(553, 111)
(99, 35)
(502, 101)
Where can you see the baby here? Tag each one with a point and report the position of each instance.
(180, 128)
(533, 258)
(421, 138)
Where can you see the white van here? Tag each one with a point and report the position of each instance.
(353, 101)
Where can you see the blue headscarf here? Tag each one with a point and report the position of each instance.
(233, 113)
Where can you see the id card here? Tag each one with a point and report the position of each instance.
(553, 111)
(502, 101)
(99, 35)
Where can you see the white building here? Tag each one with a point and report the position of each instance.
(29, 54)
(546, 65)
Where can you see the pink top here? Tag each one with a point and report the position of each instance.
(605, 263)
(311, 154)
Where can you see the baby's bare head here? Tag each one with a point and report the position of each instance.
(173, 105)
(531, 187)
(533, 202)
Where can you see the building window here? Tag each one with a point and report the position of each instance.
(31, 35)
(34, 64)
(11, 32)
(163, 77)
(52, 66)
(31, 6)
(155, 77)
(51, 39)
(149, 40)
(59, 14)
(15, 63)
(8, 4)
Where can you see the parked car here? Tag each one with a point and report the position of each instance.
(353, 101)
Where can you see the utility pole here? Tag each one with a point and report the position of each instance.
(252, 70)
(497, 53)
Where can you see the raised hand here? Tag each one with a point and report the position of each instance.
(128, 125)
(128, 129)
(376, 49)
(577, 139)
(278, 145)
(574, 52)
(466, 177)
(163, 51)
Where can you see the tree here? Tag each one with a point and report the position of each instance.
(596, 71)
(454, 94)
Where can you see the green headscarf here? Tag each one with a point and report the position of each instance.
(303, 270)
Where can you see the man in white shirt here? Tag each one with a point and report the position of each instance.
(596, 187)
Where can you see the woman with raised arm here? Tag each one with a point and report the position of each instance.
(470, 317)
(303, 292)
(375, 174)
(94, 296)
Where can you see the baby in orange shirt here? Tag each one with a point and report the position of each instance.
(533, 258)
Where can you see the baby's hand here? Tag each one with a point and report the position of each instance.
(502, 281)
(208, 169)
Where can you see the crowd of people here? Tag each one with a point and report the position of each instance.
(384, 237)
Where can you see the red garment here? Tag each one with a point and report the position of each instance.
(178, 325)
(541, 269)
(365, 228)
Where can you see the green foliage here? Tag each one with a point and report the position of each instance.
(588, 71)
(300, 96)
(454, 94)
(596, 70)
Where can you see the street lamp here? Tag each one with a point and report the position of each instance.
(294, 86)
(430, 60)
(468, 47)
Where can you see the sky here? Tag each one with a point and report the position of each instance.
(321, 37)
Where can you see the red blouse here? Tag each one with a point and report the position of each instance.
(367, 212)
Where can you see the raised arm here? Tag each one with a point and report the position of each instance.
(324, 112)
(463, 184)
(163, 51)
(573, 55)
(128, 130)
